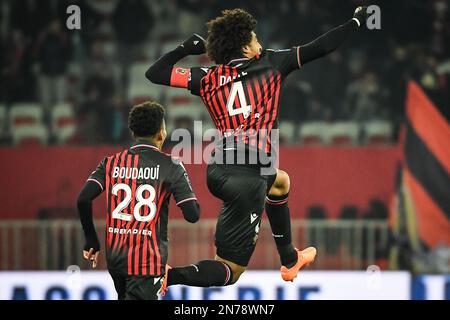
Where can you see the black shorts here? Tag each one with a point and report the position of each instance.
(136, 287)
(243, 191)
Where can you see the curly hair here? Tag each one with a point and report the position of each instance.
(146, 119)
(228, 34)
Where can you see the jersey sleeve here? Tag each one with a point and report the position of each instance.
(180, 186)
(195, 78)
(285, 60)
(99, 174)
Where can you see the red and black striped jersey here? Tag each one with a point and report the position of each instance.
(139, 182)
(243, 95)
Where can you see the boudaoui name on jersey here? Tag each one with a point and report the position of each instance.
(136, 173)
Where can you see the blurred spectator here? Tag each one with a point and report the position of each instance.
(100, 112)
(52, 55)
(364, 97)
(441, 28)
(298, 22)
(4, 22)
(332, 87)
(363, 80)
(443, 72)
(434, 83)
(294, 102)
(97, 113)
(92, 20)
(30, 16)
(100, 61)
(190, 18)
(16, 69)
(377, 210)
(397, 68)
(431, 261)
(441, 257)
(132, 22)
(317, 111)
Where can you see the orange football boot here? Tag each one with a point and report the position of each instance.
(305, 258)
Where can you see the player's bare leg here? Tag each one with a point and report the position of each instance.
(236, 269)
(277, 210)
(281, 185)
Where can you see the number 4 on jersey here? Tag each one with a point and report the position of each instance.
(245, 108)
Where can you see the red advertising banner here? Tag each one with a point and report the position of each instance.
(39, 180)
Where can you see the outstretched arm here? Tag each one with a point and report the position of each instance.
(326, 43)
(331, 40)
(163, 71)
(288, 60)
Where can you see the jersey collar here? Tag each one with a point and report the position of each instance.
(237, 60)
(242, 59)
(141, 144)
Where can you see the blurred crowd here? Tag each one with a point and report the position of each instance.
(45, 63)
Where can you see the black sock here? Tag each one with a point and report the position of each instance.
(205, 273)
(280, 222)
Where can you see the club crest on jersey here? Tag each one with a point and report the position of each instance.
(181, 71)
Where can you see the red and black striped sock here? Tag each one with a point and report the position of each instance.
(280, 222)
(205, 273)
